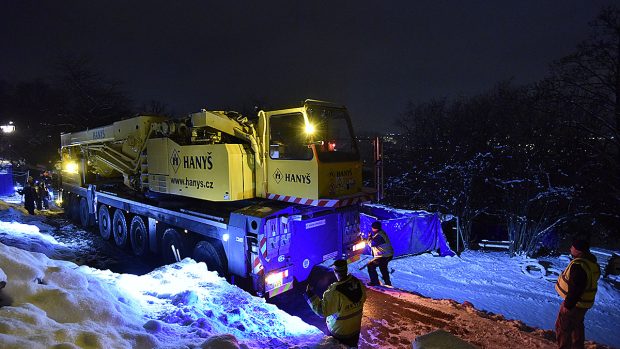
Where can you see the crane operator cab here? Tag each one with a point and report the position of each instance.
(311, 153)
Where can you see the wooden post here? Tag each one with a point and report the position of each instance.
(378, 170)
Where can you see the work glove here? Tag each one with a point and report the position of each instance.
(309, 290)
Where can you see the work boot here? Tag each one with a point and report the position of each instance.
(373, 283)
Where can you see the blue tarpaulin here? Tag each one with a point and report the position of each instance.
(7, 188)
(410, 232)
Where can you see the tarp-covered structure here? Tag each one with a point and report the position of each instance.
(410, 232)
(7, 187)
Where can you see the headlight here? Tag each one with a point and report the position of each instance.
(70, 167)
(359, 246)
(276, 278)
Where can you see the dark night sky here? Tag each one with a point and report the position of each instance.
(373, 56)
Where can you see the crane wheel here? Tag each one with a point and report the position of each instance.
(85, 217)
(213, 255)
(66, 205)
(73, 209)
(105, 223)
(119, 228)
(173, 246)
(139, 236)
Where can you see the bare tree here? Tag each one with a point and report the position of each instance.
(586, 87)
(492, 154)
(154, 107)
(92, 99)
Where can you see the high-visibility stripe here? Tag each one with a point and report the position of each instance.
(319, 202)
(562, 289)
(352, 315)
(385, 249)
(257, 267)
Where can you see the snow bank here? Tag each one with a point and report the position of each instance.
(188, 301)
(52, 303)
(48, 303)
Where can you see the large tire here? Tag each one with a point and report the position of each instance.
(75, 209)
(86, 218)
(66, 206)
(139, 237)
(212, 253)
(119, 228)
(172, 242)
(72, 209)
(105, 222)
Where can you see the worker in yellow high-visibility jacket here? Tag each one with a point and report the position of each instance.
(342, 305)
(577, 285)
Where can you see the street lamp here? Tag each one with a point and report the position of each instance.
(8, 128)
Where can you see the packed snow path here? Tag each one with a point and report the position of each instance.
(394, 318)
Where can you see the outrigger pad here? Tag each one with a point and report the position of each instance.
(440, 339)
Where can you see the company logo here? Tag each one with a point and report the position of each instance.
(298, 178)
(198, 162)
(175, 160)
(99, 134)
(341, 173)
(341, 180)
(277, 175)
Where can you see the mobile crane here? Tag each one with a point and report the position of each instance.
(265, 200)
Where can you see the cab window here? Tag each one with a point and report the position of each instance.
(288, 140)
(334, 135)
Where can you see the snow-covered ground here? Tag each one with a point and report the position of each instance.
(48, 302)
(493, 282)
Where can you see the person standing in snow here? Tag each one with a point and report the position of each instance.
(44, 195)
(342, 305)
(382, 252)
(30, 195)
(38, 198)
(577, 285)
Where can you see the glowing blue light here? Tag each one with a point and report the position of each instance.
(225, 237)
